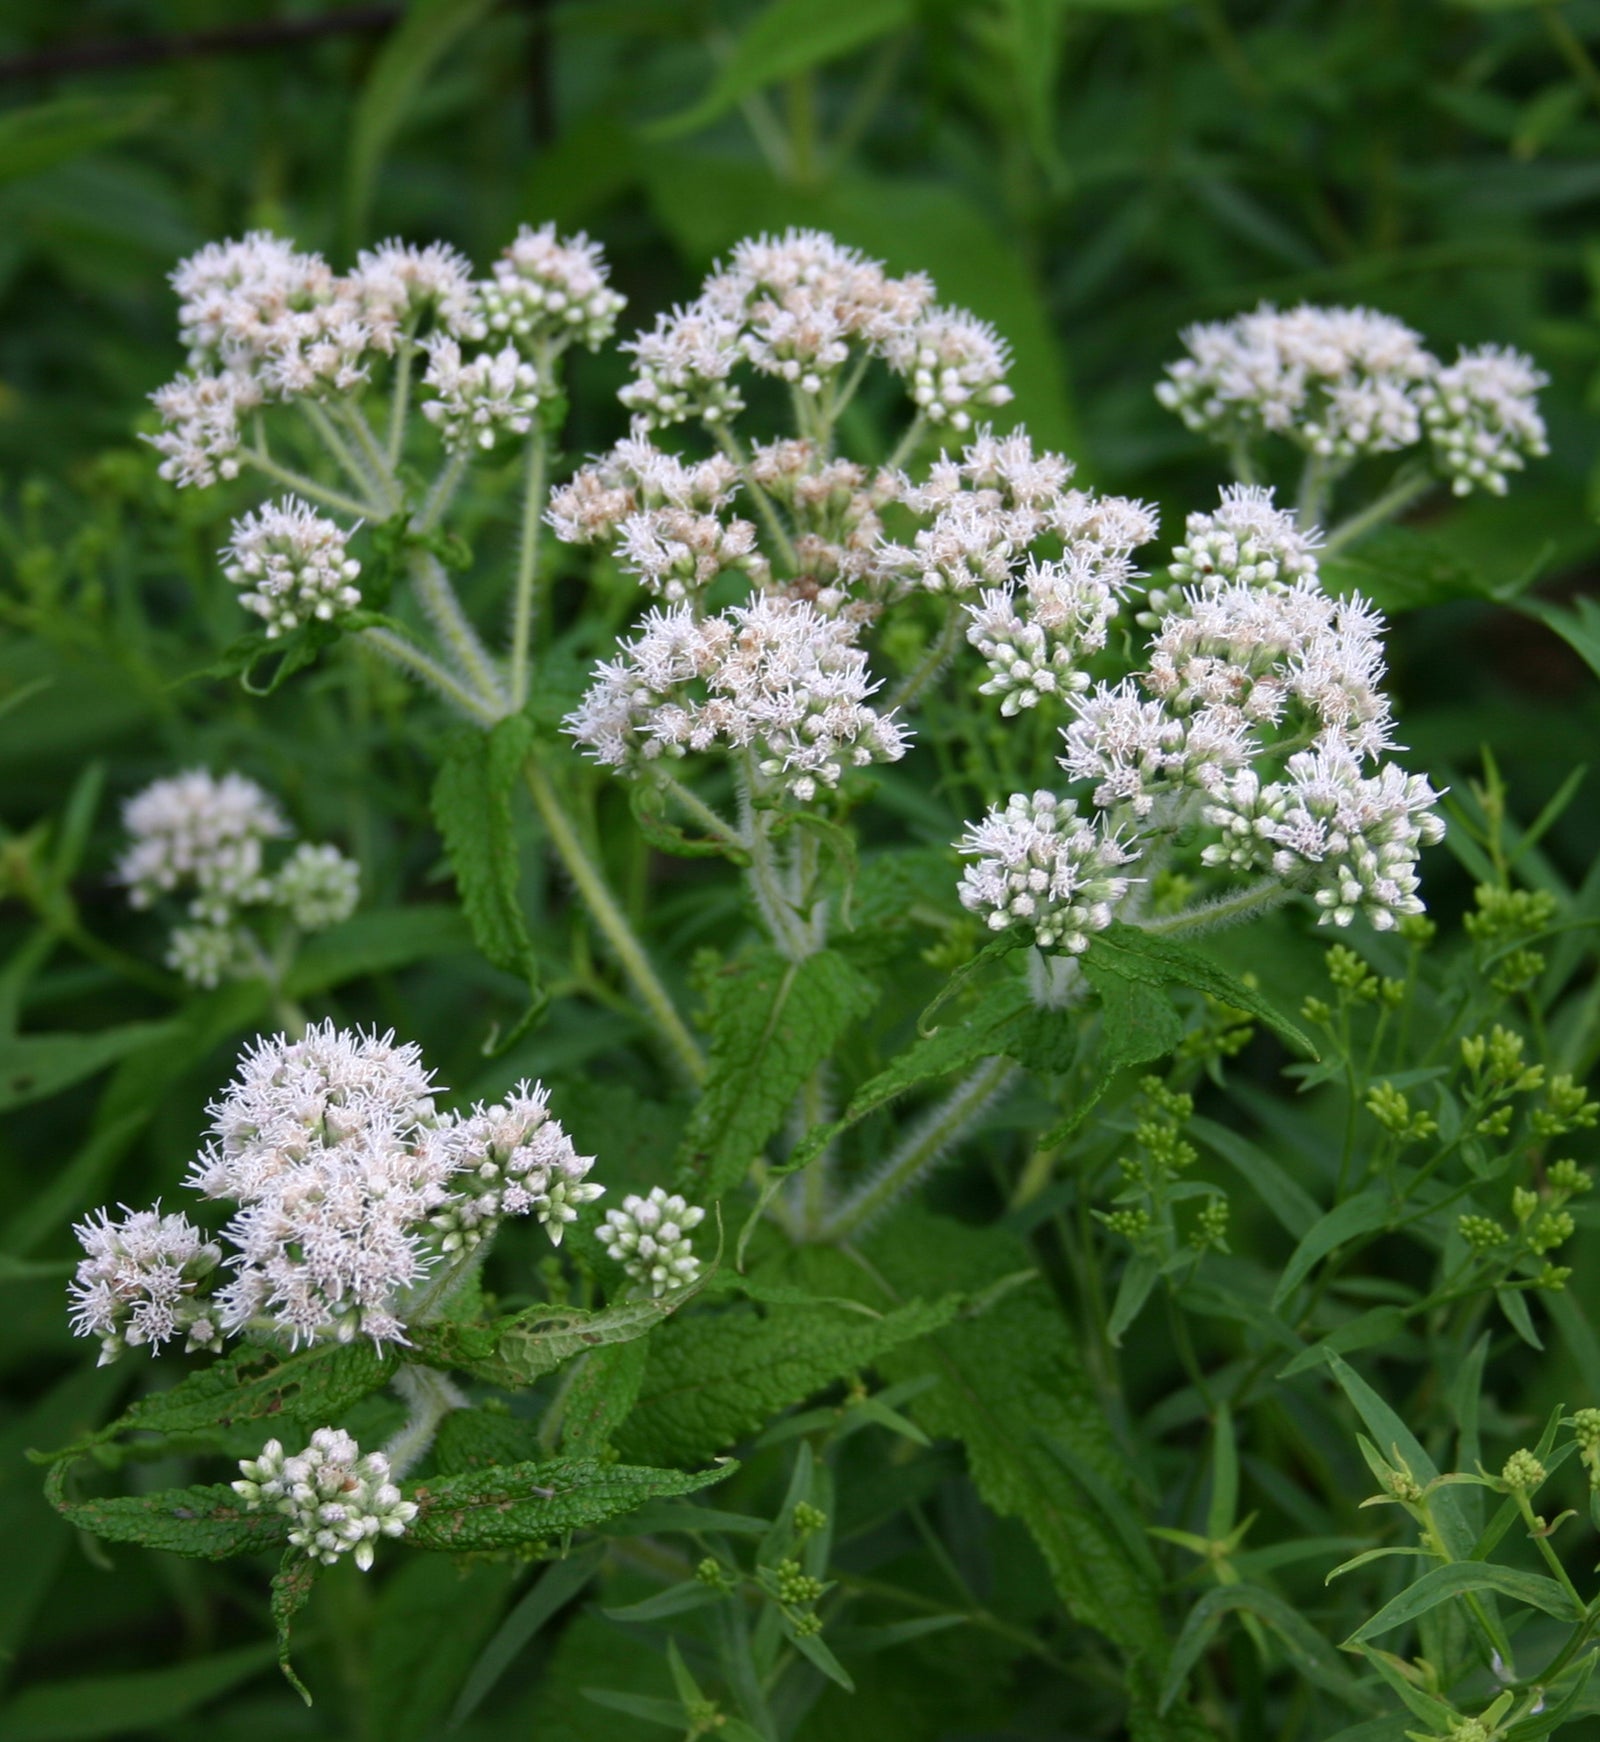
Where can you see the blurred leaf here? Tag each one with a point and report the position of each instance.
(1579, 627)
(785, 38)
(114, 1705)
(404, 65)
(410, 1690)
(558, 1584)
(377, 942)
(1309, 1655)
(33, 1066)
(46, 134)
(601, 1397)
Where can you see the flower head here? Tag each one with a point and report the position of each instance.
(548, 290)
(194, 829)
(136, 1286)
(649, 1238)
(477, 401)
(1482, 416)
(338, 1501)
(1041, 865)
(294, 564)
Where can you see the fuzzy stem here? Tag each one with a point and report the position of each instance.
(309, 487)
(355, 420)
(1409, 486)
(432, 1397)
(445, 613)
(1315, 480)
(422, 666)
(613, 923)
(922, 1148)
(700, 810)
(440, 493)
(939, 654)
(400, 400)
(323, 426)
(907, 444)
(1226, 910)
(522, 609)
(729, 443)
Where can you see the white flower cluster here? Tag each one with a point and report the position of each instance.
(295, 565)
(349, 1186)
(1040, 863)
(205, 838)
(1258, 713)
(479, 399)
(512, 1159)
(1482, 414)
(338, 1501)
(1344, 383)
(265, 322)
(137, 1285)
(649, 1238)
(794, 307)
(325, 1143)
(1350, 839)
(665, 518)
(548, 291)
(774, 677)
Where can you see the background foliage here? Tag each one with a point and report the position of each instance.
(1090, 175)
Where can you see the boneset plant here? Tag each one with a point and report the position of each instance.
(1147, 753)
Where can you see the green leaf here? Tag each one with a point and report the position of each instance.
(786, 38)
(1294, 1208)
(1143, 957)
(1457, 1578)
(207, 1523)
(1579, 627)
(401, 70)
(772, 1022)
(377, 942)
(1013, 1391)
(291, 1591)
(515, 1351)
(1399, 569)
(44, 134)
(35, 1542)
(601, 1397)
(1395, 1438)
(518, 1504)
(985, 1031)
(312, 1388)
(119, 1705)
(33, 1066)
(472, 808)
(1365, 1213)
(1380, 1324)
(1310, 1657)
(428, 1632)
(558, 1585)
(716, 1377)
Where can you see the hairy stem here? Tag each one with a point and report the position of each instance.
(264, 463)
(1226, 910)
(421, 665)
(922, 1148)
(444, 611)
(1410, 485)
(613, 923)
(399, 399)
(522, 607)
(729, 443)
(939, 654)
(431, 1397)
